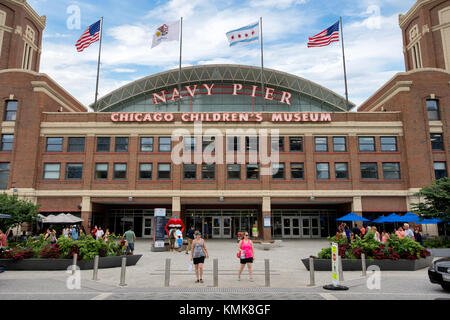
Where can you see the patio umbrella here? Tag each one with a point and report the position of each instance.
(429, 221)
(5, 216)
(352, 217)
(410, 217)
(393, 218)
(379, 219)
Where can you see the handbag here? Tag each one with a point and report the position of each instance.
(190, 267)
(238, 255)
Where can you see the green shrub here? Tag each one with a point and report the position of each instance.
(436, 243)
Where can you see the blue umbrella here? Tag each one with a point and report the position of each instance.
(393, 218)
(352, 217)
(379, 219)
(4, 216)
(430, 221)
(409, 217)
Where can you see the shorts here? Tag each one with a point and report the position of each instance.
(248, 260)
(130, 247)
(199, 260)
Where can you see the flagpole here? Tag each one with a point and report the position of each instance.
(179, 71)
(343, 58)
(262, 64)
(98, 66)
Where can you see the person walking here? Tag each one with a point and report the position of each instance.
(130, 237)
(99, 234)
(190, 236)
(247, 255)
(408, 232)
(53, 237)
(93, 232)
(400, 233)
(106, 236)
(65, 232)
(206, 230)
(198, 254)
(376, 235)
(255, 231)
(74, 233)
(172, 240)
(2, 239)
(418, 236)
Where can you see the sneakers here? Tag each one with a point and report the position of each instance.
(251, 279)
(239, 278)
(201, 280)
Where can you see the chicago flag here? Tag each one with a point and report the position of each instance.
(244, 35)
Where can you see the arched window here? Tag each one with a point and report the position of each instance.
(30, 37)
(10, 110)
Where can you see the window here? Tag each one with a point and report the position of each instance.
(339, 144)
(4, 175)
(251, 144)
(76, 145)
(416, 55)
(189, 144)
(366, 144)
(121, 144)
(10, 110)
(433, 110)
(74, 171)
(165, 144)
(51, 171)
(437, 141)
(101, 171)
(278, 171)
(369, 170)
(103, 144)
(54, 145)
(277, 144)
(28, 48)
(252, 171)
(208, 171)
(341, 170)
(321, 144)
(189, 171)
(209, 144)
(146, 144)
(233, 144)
(164, 171)
(7, 142)
(120, 171)
(234, 171)
(2, 23)
(388, 144)
(295, 144)
(323, 171)
(297, 171)
(440, 170)
(145, 171)
(391, 171)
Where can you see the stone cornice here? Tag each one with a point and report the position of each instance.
(40, 20)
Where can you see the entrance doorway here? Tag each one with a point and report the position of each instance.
(147, 227)
(291, 227)
(300, 227)
(310, 227)
(221, 227)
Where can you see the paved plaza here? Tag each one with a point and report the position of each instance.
(289, 279)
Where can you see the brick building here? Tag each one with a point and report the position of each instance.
(115, 166)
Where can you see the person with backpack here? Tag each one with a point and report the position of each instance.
(198, 254)
(172, 240)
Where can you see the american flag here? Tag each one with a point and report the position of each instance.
(91, 35)
(325, 37)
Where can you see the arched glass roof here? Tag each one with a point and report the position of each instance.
(138, 96)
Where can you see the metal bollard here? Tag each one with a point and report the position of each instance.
(216, 272)
(122, 272)
(267, 268)
(312, 279)
(95, 273)
(363, 261)
(341, 272)
(167, 276)
(74, 263)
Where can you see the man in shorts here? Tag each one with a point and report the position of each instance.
(130, 237)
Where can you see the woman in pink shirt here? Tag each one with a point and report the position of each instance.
(2, 239)
(246, 255)
(400, 233)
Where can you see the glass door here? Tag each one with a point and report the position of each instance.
(147, 227)
(306, 227)
(315, 227)
(286, 227)
(216, 227)
(295, 231)
(226, 227)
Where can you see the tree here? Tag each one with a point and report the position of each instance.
(437, 201)
(20, 211)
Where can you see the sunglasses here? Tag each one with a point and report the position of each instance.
(246, 235)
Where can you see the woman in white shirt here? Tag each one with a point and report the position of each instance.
(99, 233)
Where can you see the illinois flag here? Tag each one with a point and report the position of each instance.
(166, 32)
(244, 35)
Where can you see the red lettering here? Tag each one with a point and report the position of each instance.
(114, 117)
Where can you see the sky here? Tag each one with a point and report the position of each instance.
(372, 38)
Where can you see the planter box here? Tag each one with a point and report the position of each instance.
(63, 264)
(440, 252)
(385, 265)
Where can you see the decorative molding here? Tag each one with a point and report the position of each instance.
(40, 20)
(400, 86)
(403, 19)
